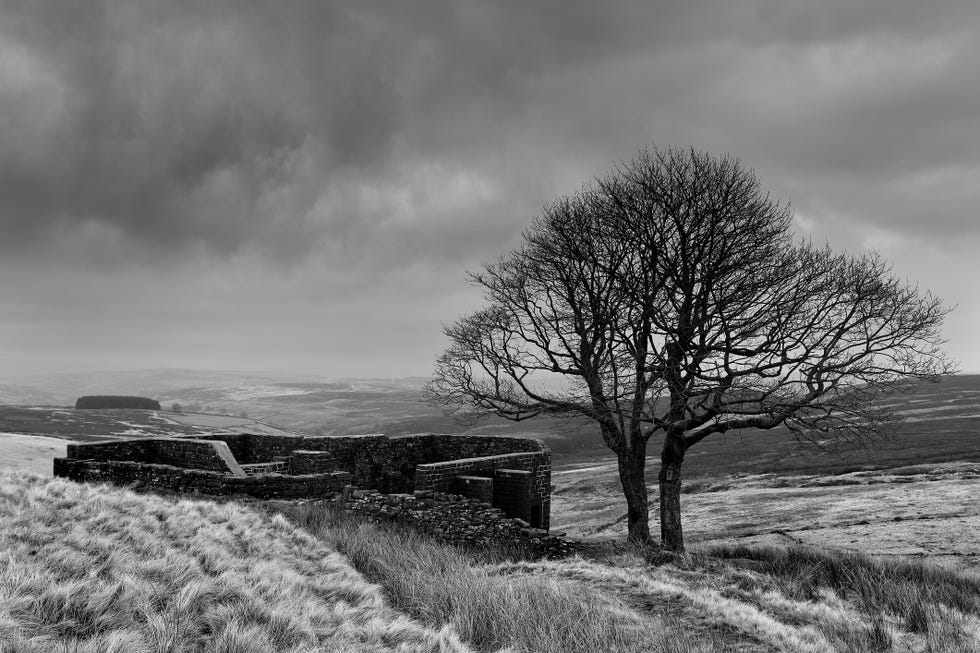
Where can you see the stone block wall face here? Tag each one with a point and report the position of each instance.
(312, 462)
(454, 519)
(238, 443)
(478, 488)
(264, 448)
(376, 461)
(192, 454)
(134, 450)
(178, 452)
(254, 469)
(167, 478)
(454, 447)
(250, 448)
(438, 477)
(512, 494)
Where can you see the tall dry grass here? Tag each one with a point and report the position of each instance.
(794, 599)
(442, 585)
(97, 569)
(903, 602)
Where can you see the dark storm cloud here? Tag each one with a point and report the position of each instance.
(248, 124)
(343, 163)
(178, 122)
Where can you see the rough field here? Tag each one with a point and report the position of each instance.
(87, 425)
(81, 425)
(93, 569)
(925, 511)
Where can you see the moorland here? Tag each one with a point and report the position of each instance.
(793, 548)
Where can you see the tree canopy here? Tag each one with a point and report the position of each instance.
(672, 298)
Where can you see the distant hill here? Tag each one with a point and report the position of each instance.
(943, 420)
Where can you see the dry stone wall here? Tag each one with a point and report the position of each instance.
(178, 452)
(454, 519)
(524, 495)
(153, 477)
(467, 490)
(392, 464)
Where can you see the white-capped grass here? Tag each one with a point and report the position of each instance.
(898, 596)
(95, 568)
(871, 615)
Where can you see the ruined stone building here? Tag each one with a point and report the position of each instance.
(465, 487)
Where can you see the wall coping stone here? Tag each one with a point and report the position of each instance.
(477, 459)
(221, 448)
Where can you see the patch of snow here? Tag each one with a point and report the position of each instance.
(938, 417)
(934, 409)
(244, 393)
(31, 436)
(133, 432)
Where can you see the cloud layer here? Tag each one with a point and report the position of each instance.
(291, 155)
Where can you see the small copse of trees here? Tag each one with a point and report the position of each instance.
(117, 401)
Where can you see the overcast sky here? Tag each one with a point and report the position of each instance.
(301, 186)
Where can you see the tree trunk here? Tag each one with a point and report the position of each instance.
(671, 531)
(632, 462)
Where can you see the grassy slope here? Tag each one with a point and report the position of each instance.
(91, 568)
(86, 568)
(923, 510)
(722, 599)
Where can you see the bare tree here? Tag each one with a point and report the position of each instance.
(672, 298)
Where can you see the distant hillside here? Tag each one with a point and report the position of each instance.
(91, 424)
(943, 420)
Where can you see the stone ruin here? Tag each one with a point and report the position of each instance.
(463, 489)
